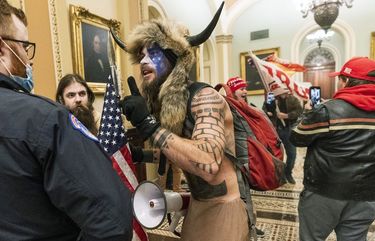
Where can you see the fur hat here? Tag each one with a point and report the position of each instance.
(173, 94)
(174, 39)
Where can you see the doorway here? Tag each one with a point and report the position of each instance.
(319, 63)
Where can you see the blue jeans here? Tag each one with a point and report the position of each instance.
(290, 149)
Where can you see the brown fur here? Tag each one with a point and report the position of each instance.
(173, 94)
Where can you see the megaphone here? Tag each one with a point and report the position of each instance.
(151, 204)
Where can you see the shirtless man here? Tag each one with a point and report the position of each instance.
(201, 149)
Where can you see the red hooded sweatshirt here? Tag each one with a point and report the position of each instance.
(361, 96)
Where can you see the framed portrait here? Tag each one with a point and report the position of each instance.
(372, 47)
(250, 73)
(93, 48)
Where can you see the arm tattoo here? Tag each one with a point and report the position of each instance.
(208, 111)
(161, 137)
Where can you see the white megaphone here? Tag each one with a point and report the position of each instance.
(151, 204)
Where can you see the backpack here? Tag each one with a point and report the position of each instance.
(259, 150)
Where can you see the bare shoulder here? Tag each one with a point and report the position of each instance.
(207, 98)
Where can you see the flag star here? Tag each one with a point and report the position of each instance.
(114, 134)
(108, 133)
(106, 141)
(106, 149)
(113, 93)
(112, 101)
(117, 118)
(111, 109)
(105, 109)
(118, 110)
(102, 125)
(104, 117)
(109, 125)
(102, 132)
(122, 134)
(110, 117)
(106, 101)
(113, 142)
(116, 126)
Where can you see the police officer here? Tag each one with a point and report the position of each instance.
(56, 181)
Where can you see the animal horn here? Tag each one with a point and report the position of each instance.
(205, 34)
(118, 40)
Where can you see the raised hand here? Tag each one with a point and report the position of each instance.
(135, 109)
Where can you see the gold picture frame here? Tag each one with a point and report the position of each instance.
(372, 46)
(250, 73)
(88, 30)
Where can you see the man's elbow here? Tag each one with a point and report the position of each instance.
(210, 174)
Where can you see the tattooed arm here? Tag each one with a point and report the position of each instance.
(203, 154)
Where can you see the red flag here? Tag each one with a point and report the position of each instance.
(275, 79)
(112, 137)
(285, 65)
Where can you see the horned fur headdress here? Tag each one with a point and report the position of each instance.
(173, 94)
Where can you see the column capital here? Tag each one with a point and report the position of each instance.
(224, 39)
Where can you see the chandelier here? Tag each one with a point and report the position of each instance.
(325, 11)
(319, 36)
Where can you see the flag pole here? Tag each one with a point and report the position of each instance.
(112, 62)
(263, 78)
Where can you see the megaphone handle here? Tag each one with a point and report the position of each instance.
(162, 164)
(176, 218)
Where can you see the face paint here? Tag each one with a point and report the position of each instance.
(161, 63)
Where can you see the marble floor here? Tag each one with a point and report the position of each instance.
(276, 211)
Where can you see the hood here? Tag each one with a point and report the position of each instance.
(361, 96)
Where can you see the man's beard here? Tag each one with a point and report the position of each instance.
(86, 116)
(150, 92)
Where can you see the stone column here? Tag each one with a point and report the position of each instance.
(224, 53)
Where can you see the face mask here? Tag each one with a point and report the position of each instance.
(27, 83)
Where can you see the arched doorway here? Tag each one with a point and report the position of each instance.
(319, 62)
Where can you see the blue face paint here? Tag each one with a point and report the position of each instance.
(162, 65)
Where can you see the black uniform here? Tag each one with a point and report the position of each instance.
(54, 180)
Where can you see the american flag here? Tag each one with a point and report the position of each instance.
(113, 139)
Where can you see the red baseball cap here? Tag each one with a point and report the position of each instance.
(359, 68)
(235, 83)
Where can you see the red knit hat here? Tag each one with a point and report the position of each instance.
(358, 68)
(235, 83)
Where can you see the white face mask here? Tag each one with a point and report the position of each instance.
(26, 82)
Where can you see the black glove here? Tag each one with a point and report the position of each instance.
(135, 109)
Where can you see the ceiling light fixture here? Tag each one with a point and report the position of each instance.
(325, 11)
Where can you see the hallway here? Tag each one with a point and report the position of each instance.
(277, 212)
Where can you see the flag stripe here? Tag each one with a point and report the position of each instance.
(274, 77)
(123, 159)
(113, 139)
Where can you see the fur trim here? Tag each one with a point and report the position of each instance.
(173, 94)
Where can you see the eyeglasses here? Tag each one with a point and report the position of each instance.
(28, 46)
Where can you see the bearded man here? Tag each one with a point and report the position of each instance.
(201, 149)
(76, 95)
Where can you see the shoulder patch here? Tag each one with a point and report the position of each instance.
(77, 125)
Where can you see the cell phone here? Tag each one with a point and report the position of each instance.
(270, 98)
(315, 96)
